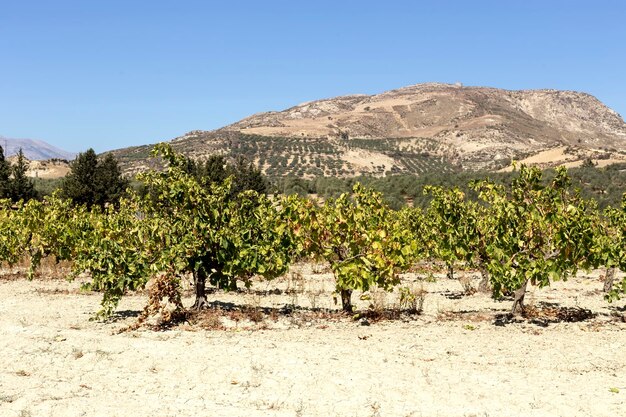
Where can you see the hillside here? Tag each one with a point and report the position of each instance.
(416, 129)
(48, 169)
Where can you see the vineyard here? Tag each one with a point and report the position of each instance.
(279, 305)
(526, 233)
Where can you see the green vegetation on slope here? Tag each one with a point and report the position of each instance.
(605, 185)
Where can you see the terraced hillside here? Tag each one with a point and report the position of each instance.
(417, 129)
(307, 157)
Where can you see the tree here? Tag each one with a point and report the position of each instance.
(204, 231)
(182, 227)
(246, 177)
(364, 241)
(21, 187)
(611, 250)
(78, 185)
(538, 233)
(94, 182)
(109, 184)
(215, 170)
(11, 233)
(48, 228)
(458, 230)
(5, 174)
(111, 247)
(449, 229)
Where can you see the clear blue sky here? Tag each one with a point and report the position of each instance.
(110, 74)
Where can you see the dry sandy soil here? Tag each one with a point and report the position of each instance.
(455, 359)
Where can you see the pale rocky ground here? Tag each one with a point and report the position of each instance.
(450, 361)
(48, 169)
(45, 169)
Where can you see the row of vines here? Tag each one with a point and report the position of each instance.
(526, 233)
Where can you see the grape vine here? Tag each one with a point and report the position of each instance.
(529, 233)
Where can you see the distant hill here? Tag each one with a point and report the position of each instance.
(44, 169)
(417, 129)
(34, 149)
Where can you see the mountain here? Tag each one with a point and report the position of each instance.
(33, 149)
(415, 129)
